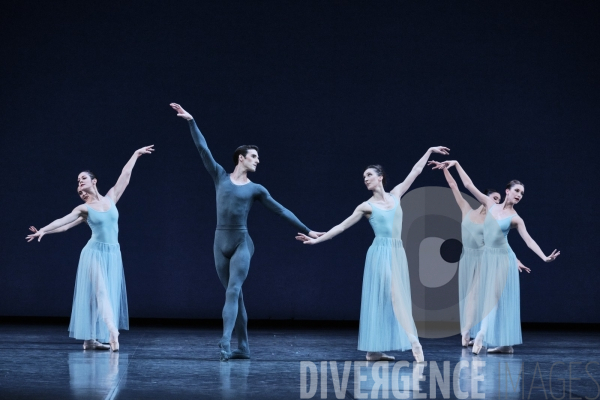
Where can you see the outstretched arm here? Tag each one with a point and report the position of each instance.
(465, 207)
(214, 169)
(358, 213)
(402, 188)
(266, 200)
(78, 212)
(483, 199)
(116, 191)
(62, 228)
(531, 243)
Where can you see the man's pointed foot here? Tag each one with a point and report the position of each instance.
(225, 352)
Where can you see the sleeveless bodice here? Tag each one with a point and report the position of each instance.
(104, 224)
(383, 221)
(495, 231)
(472, 233)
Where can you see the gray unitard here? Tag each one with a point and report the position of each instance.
(233, 247)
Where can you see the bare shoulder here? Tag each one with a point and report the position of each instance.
(395, 195)
(517, 221)
(365, 209)
(81, 210)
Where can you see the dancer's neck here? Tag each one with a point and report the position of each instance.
(379, 194)
(507, 205)
(239, 175)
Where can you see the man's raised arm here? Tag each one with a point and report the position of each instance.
(213, 168)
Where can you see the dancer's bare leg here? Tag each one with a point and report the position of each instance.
(105, 307)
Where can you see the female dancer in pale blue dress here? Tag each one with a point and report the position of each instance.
(100, 299)
(386, 321)
(470, 259)
(499, 304)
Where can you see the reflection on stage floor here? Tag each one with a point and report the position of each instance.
(39, 361)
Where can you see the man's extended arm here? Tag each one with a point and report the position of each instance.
(265, 198)
(213, 168)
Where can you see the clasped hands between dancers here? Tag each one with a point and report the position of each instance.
(386, 322)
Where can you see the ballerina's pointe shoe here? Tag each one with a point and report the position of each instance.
(94, 345)
(501, 350)
(417, 351)
(478, 343)
(465, 339)
(114, 341)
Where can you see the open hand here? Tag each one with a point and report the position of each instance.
(181, 112)
(305, 239)
(552, 256)
(144, 150)
(437, 165)
(36, 234)
(440, 150)
(522, 267)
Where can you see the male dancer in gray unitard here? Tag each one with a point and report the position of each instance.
(233, 246)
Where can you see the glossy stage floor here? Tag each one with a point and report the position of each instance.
(178, 361)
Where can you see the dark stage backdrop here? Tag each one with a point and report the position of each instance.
(324, 88)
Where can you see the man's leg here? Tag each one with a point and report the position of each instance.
(241, 331)
(239, 264)
(241, 323)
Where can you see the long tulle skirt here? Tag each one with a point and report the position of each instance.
(386, 308)
(500, 299)
(468, 289)
(100, 299)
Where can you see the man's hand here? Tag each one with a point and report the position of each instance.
(305, 239)
(181, 112)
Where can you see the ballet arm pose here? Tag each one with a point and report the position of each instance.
(116, 191)
(364, 208)
(465, 207)
(518, 221)
(61, 229)
(403, 187)
(358, 213)
(213, 168)
(79, 212)
(467, 182)
(264, 197)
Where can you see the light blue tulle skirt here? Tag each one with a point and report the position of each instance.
(500, 300)
(100, 298)
(380, 329)
(468, 289)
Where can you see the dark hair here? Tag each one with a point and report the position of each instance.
(90, 173)
(512, 183)
(379, 171)
(490, 191)
(243, 150)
